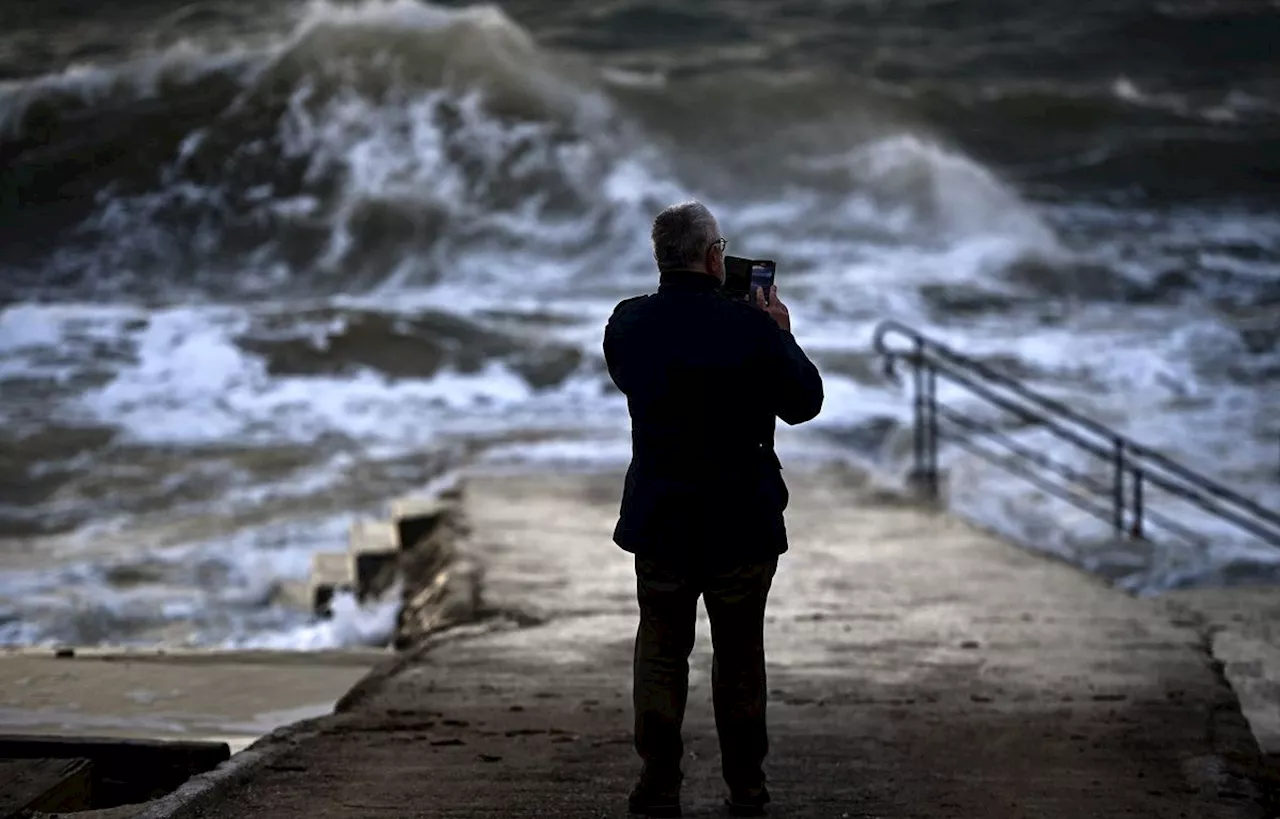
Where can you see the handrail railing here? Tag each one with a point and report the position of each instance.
(1134, 468)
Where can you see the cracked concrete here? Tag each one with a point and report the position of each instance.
(918, 668)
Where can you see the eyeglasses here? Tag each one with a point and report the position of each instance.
(720, 244)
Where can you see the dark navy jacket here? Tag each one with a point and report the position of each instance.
(705, 377)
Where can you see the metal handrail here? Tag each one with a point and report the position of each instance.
(1134, 466)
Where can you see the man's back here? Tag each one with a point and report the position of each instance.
(705, 378)
(702, 508)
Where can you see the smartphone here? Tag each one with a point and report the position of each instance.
(743, 276)
(762, 273)
(737, 278)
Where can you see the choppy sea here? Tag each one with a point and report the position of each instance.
(258, 262)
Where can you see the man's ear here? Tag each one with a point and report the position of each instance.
(715, 263)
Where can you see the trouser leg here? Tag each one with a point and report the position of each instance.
(735, 602)
(668, 611)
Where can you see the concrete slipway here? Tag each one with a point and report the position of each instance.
(918, 667)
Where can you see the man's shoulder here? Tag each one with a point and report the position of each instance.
(631, 303)
(741, 314)
(625, 316)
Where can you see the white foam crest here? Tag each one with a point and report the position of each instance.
(203, 591)
(546, 204)
(947, 194)
(624, 78)
(612, 452)
(23, 326)
(482, 31)
(846, 401)
(915, 211)
(350, 625)
(408, 14)
(192, 384)
(1229, 107)
(85, 84)
(474, 47)
(1029, 515)
(56, 344)
(450, 125)
(187, 381)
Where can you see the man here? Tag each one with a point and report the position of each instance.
(702, 507)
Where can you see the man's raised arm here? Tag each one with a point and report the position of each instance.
(794, 380)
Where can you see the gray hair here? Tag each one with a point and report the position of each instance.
(681, 235)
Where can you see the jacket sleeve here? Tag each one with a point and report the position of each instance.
(613, 344)
(797, 382)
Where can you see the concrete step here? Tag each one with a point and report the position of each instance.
(378, 551)
(332, 573)
(375, 553)
(417, 518)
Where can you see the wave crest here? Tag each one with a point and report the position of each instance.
(378, 142)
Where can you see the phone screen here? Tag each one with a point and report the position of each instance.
(762, 273)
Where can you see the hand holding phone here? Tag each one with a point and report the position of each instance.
(772, 305)
(743, 277)
(762, 276)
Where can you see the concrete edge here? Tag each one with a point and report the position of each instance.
(1241, 766)
(1242, 769)
(200, 656)
(462, 580)
(203, 789)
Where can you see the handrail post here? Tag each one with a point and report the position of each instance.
(918, 432)
(931, 382)
(1135, 529)
(1117, 499)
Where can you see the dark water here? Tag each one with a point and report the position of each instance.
(262, 255)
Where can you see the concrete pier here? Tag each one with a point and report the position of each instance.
(918, 668)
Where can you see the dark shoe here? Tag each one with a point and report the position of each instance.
(747, 802)
(656, 806)
(655, 799)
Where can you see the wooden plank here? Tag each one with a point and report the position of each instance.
(124, 771)
(44, 785)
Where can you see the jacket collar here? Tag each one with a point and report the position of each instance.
(687, 281)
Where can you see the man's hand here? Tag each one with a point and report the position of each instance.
(775, 308)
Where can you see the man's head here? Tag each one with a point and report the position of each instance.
(686, 237)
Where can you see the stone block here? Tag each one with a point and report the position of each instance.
(376, 574)
(293, 594)
(418, 518)
(373, 536)
(373, 545)
(331, 573)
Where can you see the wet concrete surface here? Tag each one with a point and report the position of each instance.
(918, 668)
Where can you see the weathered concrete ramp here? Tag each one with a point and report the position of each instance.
(919, 668)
